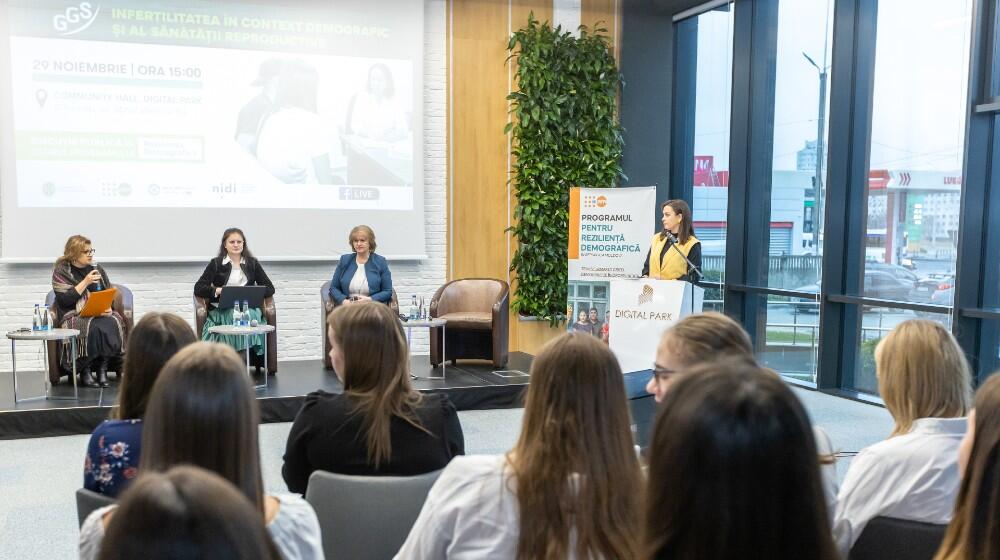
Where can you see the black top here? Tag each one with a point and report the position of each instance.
(327, 436)
(217, 274)
(694, 255)
(67, 300)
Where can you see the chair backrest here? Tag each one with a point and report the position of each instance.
(366, 517)
(87, 501)
(898, 539)
(470, 294)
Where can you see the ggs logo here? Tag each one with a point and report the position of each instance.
(75, 19)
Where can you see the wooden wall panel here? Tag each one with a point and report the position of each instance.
(605, 13)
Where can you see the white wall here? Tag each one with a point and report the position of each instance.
(168, 287)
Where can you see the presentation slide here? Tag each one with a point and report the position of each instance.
(210, 105)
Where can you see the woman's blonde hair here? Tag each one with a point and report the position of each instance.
(922, 373)
(368, 233)
(75, 246)
(376, 373)
(707, 336)
(575, 469)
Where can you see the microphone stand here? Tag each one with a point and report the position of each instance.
(691, 266)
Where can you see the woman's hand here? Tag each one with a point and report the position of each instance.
(218, 291)
(93, 277)
(359, 299)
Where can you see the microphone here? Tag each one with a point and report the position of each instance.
(671, 236)
(93, 265)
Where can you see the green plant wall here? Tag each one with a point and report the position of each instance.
(565, 134)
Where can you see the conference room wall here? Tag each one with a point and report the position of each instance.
(168, 287)
(482, 201)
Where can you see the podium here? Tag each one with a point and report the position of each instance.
(641, 309)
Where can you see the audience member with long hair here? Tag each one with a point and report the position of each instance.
(379, 425)
(705, 337)
(203, 412)
(189, 513)
(570, 488)
(733, 471)
(924, 380)
(974, 532)
(115, 447)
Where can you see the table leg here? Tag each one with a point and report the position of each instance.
(264, 369)
(76, 389)
(13, 363)
(444, 353)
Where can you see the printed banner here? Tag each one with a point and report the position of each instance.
(609, 235)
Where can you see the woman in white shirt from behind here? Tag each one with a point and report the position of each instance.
(571, 487)
(925, 382)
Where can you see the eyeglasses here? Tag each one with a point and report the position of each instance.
(90, 252)
(663, 373)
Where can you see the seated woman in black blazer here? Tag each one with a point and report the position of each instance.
(379, 426)
(361, 275)
(221, 272)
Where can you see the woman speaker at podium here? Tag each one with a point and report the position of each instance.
(675, 253)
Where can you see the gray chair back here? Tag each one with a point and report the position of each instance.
(366, 517)
(898, 539)
(87, 501)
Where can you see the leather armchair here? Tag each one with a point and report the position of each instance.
(477, 311)
(123, 305)
(270, 314)
(326, 305)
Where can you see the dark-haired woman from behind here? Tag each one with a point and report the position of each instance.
(379, 425)
(974, 532)
(733, 471)
(188, 513)
(570, 488)
(203, 412)
(115, 446)
(235, 265)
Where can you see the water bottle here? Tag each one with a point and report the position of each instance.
(46, 319)
(36, 319)
(237, 318)
(414, 309)
(245, 316)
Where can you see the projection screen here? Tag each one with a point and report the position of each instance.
(152, 126)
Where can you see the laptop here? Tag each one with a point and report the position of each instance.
(254, 296)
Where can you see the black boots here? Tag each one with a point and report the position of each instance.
(86, 377)
(102, 372)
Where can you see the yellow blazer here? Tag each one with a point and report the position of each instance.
(672, 266)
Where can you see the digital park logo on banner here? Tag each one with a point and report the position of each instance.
(609, 232)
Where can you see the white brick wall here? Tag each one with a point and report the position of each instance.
(168, 287)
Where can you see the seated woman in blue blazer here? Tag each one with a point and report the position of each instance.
(361, 275)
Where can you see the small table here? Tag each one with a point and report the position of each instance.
(246, 333)
(429, 323)
(43, 336)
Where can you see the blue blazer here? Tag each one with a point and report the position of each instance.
(376, 270)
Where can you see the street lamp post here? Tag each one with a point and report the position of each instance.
(820, 137)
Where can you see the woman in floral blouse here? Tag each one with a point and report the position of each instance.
(113, 452)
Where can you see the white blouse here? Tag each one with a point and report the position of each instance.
(912, 476)
(294, 530)
(236, 276)
(359, 282)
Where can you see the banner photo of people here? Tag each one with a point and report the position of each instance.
(609, 236)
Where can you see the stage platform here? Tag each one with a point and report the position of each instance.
(471, 385)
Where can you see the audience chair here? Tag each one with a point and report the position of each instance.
(326, 305)
(122, 304)
(477, 311)
(366, 517)
(270, 314)
(898, 539)
(87, 501)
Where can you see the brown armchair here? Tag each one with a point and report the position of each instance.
(326, 306)
(270, 314)
(122, 304)
(477, 311)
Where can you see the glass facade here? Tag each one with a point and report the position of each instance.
(873, 202)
